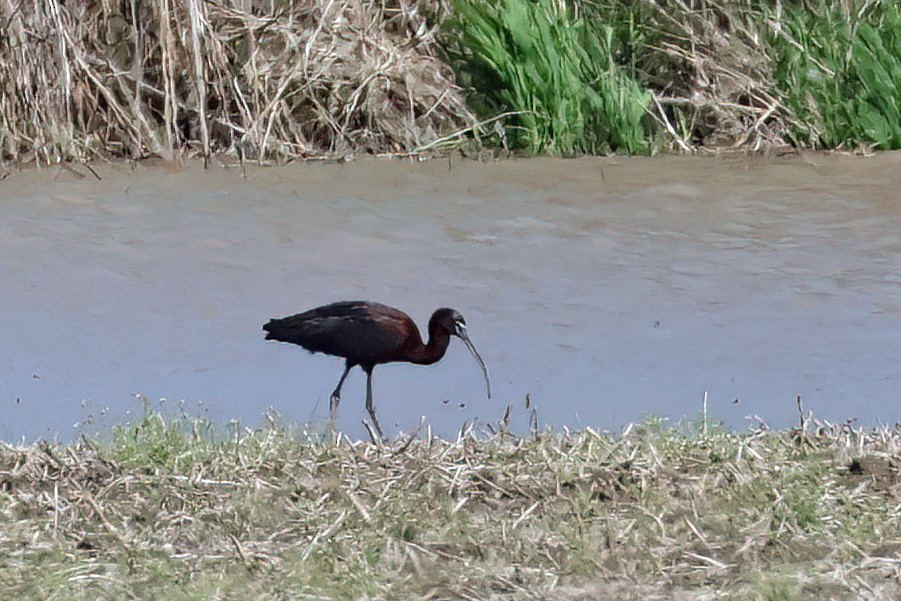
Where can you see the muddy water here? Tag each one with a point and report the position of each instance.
(604, 289)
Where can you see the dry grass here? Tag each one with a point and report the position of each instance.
(726, 94)
(167, 509)
(264, 79)
(710, 67)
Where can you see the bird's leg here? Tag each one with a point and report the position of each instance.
(336, 398)
(370, 407)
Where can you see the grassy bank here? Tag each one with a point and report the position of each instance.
(169, 509)
(293, 80)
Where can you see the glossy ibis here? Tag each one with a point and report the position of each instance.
(367, 334)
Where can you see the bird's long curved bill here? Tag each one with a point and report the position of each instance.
(461, 332)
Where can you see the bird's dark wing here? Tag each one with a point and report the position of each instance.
(359, 331)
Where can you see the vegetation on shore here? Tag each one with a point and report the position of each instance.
(167, 508)
(329, 78)
(555, 73)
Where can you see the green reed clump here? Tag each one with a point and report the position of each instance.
(553, 69)
(838, 67)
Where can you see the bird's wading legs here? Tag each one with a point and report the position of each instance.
(335, 399)
(370, 407)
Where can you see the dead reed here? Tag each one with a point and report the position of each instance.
(269, 80)
(168, 509)
(711, 67)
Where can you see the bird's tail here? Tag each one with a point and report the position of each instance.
(283, 330)
(272, 329)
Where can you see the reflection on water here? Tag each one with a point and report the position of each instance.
(605, 289)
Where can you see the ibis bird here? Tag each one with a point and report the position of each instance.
(368, 334)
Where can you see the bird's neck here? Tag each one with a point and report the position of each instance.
(433, 350)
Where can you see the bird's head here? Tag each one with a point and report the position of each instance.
(448, 320)
(451, 321)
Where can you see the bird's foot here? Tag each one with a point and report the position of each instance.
(333, 411)
(375, 432)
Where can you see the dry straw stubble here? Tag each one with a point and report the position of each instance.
(167, 508)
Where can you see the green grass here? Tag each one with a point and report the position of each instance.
(554, 71)
(274, 513)
(838, 66)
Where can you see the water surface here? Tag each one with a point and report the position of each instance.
(606, 289)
